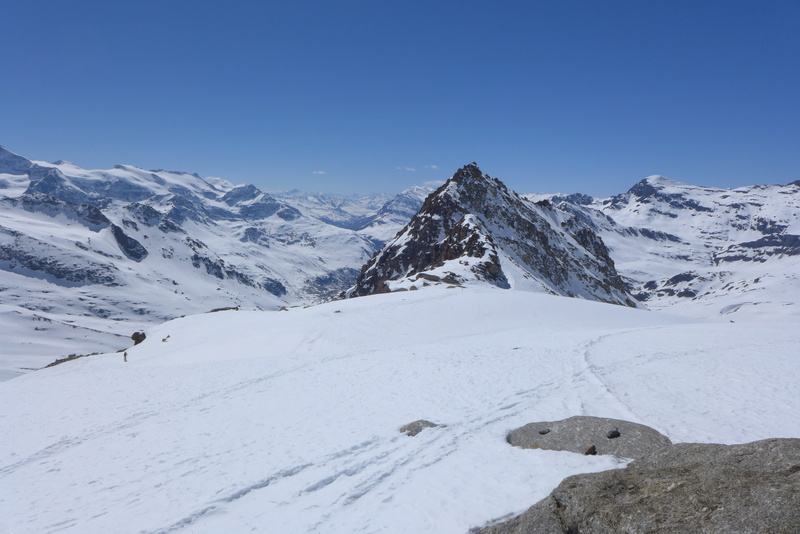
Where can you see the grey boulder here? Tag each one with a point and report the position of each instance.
(691, 487)
(590, 435)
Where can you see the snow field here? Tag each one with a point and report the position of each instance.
(288, 421)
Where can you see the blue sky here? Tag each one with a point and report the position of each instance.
(349, 96)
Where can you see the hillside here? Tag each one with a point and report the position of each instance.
(288, 421)
(701, 251)
(87, 257)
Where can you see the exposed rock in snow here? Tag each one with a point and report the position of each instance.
(689, 487)
(473, 229)
(415, 427)
(579, 433)
(699, 250)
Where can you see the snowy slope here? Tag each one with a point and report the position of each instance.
(136, 247)
(730, 251)
(288, 421)
(701, 251)
(345, 211)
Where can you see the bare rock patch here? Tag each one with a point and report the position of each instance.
(590, 435)
(689, 487)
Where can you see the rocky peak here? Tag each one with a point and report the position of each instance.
(473, 229)
(660, 190)
(652, 185)
(241, 193)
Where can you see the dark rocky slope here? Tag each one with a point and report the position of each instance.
(473, 228)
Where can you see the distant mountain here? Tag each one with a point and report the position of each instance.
(132, 247)
(344, 211)
(475, 230)
(700, 250)
(89, 256)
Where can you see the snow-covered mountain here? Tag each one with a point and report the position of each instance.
(288, 418)
(288, 421)
(474, 229)
(699, 250)
(135, 247)
(89, 256)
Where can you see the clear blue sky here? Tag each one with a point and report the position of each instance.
(546, 95)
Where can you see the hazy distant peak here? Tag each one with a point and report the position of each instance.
(11, 163)
(653, 184)
(220, 183)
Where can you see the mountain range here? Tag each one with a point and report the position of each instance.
(89, 256)
(701, 251)
(292, 408)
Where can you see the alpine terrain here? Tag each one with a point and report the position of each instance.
(88, 257)
(699, 250)
(609, 359)
(473, 228)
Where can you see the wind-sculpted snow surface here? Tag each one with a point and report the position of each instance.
(288, 421)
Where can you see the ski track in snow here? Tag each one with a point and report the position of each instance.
(293, 426)
(375, 465)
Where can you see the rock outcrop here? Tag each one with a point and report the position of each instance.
(584, 433)
(690, 487)
(474, 229)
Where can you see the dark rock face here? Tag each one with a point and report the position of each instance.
(240, 193)
(330, 284)
(37, 259)
(581, 433)
(131, 247)
(476, 220)
(647, 192)
(575, 198)
(690, 487)
(138, 337)
(89, 216)
(761, 249)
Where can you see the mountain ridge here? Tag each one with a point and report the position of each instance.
(473, 228)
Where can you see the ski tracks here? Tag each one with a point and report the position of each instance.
(374, 468)
(589, 393)
(377, 467)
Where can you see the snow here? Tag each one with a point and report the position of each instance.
(309, 257)
(287, 421)
(707, 226)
